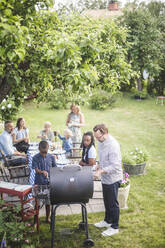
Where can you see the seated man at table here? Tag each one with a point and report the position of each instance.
(42, 162)
(6, 146)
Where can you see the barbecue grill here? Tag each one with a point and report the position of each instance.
(71, 185)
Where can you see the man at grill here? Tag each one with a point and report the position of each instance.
(111, 174)
(42, 162)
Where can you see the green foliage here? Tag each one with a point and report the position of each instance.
(42, 51)
(11, 229)
(14, 41)
(139, 94)
(57, 100)
(8, 109)
(157, 10)
(101, 100)
(135, 156)
(146, 38)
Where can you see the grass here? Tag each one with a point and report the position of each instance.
(133, 123)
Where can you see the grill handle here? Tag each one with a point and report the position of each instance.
(66, 166)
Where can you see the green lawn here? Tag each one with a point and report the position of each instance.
(133, 123)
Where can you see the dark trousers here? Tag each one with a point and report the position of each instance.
(16, 161)
(112, 211)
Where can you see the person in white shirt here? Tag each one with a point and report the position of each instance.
(110, 170)
(89, 150)
(6, 144)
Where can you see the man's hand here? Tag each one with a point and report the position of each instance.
(97, 174)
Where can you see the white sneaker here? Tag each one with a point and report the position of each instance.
(110, 231)
(102, 223)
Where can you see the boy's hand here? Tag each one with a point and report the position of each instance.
(96, 175)
(45, 173)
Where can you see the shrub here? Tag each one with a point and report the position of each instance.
(12, 230)
(57, 99)
(8, 109)
(101, 100)
(137, 94)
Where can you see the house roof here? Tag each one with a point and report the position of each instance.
(102, 13)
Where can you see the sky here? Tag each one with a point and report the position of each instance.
(123, 2)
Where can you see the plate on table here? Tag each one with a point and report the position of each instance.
(57, 152)
(32, 144)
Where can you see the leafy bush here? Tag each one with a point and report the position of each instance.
(137, 94)
(57, 99)
(101, 100)
(8, 109)
(11, 229)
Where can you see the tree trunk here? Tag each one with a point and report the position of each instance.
(5, 88)
(139, 84)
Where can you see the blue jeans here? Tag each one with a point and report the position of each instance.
(112, 211)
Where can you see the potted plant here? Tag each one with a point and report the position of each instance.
(134, 161)
(124, 191)
(113, 5)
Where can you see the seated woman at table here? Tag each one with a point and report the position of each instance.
(42, 162)
(89, 150)
(46, 134)
(21, 136)
(67, 141)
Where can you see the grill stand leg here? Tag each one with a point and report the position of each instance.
(88, 242)
(53, 216)
(82, 224)
(85, 219)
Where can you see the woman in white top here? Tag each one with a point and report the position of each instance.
(20, 133)
(89, 150)
(75, 121)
